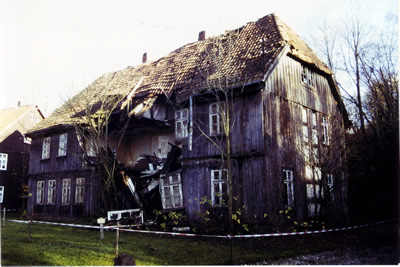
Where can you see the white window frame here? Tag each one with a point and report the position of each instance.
(40, 192)
(62, 144)
(171, 191)
(219, 187)
(215, 118)
(66, 191)
(51, 192)
(3, 161)
(181, 123)
(46, 147)
(80, 190)
(325, 130)
(288, 183)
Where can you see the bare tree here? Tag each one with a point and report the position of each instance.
(90, 112)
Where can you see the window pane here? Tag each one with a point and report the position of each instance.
(167, 192)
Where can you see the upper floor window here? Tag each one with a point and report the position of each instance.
(329, 183)
(40, 192)
(181, 123)
(62, 145)
(46, 148)
(79, 190)
(51, 192)
(171, 191)
(216, 123)
(90, 148)
(307, 76)
(3, 161)
(219, 187)
(66, 191)
(288, 187)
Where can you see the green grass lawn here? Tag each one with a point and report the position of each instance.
(57, 245)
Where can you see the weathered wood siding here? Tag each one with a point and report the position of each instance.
(267, 137)
(57, 168)
(72, 160)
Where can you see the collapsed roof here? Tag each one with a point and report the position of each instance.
(188, 69)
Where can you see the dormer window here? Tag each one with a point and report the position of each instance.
(307, 76)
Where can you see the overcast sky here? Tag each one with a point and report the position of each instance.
(52, 49)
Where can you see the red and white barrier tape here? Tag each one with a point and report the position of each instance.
(214, 236)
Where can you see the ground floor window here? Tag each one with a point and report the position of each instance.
(171, 191)
(219, 187)
(288, 187)
(66, 191)
(79, 190)
(51, 192)
(40, 192)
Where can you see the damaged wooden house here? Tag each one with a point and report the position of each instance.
(254, 106)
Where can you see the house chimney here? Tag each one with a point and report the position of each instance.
(202, 35)
(144, 58)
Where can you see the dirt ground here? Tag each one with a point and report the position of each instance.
(376, 245)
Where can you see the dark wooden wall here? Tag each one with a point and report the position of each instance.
(267, 137)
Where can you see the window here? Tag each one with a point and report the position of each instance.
(305, 133)
(62, 145)
(51, 192)
(46, 148)
(181, 124)
(66, 191)
(329, 184)
(325, 137)
(90, 148)
(216, 123)
(307, 76)
(288, 188)
(171, 191)
(314, 119)
(219, 187)
(40, 192)
(3, 161)
(79, 190)
(315, 136)
(304, 115)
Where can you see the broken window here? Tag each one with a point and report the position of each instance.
(3, 161)
(181, 123)
(62, 145)
(219, 187)
(66, 191)
(288, 187)
(325, 137)
(40, 192)
(51, 192)
(307, 76)
(79, 190)
(216, 121)
(46, 148)
(171, 191)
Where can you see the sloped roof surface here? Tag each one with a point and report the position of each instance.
(242, 56)
(8, 116)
